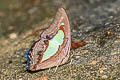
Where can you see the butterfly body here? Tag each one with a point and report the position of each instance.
(53, 47)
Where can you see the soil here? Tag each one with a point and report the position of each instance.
(96, 22)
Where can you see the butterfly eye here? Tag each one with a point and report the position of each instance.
(46, 42)
(48, 37)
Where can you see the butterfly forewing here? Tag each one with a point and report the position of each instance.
(54, 46)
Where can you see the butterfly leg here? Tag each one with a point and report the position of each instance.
(71, 61)
(56, 68)
(49, 69)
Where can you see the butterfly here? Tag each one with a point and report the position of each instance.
(53, 47)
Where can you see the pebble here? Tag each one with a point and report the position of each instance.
(20, 79)
(104, 77)
(2, 14)
(10, 28)
(41, 78)
(94, 62)
(13, 36)
(101, 71)
(117, 40)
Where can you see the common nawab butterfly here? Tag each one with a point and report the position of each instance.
(53, 47)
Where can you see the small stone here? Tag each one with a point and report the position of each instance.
(41, 78)
(117, 40)
(6, 41)
(115, 51)
(94, 62)
(2, 14)
(13, 36)
(101, 71)
(10, 28)
(77, 56)
(104, 77)
(20, 79)
(73, 30)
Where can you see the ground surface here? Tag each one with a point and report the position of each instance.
(96, 22)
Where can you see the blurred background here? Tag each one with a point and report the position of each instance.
(22, 15)
(96, 22)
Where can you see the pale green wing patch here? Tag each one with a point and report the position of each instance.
(59, 37)
(54, 45)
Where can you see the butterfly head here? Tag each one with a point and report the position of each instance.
(35, 53)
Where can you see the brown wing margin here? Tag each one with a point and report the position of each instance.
(58, 18)
(55, 24)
